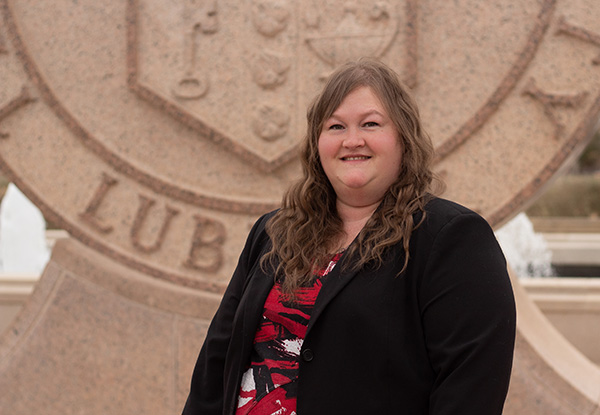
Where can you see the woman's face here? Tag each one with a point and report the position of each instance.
(359, 149)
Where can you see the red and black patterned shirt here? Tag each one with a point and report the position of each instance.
(269, 385)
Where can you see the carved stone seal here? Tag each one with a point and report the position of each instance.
(160, 129)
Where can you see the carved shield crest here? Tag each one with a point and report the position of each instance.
(242, 74)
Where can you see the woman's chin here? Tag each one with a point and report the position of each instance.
(355, 181)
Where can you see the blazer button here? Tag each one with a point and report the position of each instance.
(307, 355)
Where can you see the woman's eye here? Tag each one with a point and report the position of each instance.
(336, 127)
(371, 124)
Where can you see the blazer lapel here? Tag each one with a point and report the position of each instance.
(254, 300)
(334, 282)
(250, 312)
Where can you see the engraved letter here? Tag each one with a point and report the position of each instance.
(551, 101)
(141, 217)
(206, 253)
(20, 101)
(579, 33)
(89, 215)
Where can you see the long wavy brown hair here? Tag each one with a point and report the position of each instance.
(307, 229)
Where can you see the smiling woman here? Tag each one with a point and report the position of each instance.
(360, 153)
(398, 190)
(364, 293)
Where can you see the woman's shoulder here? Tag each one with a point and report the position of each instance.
(258, 231)
(440, 206)
(439, 212)
(257, 237)
(261, 222)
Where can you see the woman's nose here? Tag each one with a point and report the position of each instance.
(353, 139)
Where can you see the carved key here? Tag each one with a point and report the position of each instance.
(200, 18)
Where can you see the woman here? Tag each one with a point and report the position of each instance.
(363, 294)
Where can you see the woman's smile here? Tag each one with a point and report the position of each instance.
(355, 158)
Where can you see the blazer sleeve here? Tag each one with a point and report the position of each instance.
(206, 390)
(469, 319)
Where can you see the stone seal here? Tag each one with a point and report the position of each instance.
(149, 133)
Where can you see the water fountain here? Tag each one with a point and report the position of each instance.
(23, 248)
(526, 251)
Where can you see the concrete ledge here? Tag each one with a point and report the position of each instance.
(565, 225)
(572, 305)
(579, 249)
(53, 235)
(15, 289)
(557, 286)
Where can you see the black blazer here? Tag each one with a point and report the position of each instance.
(437, 339)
